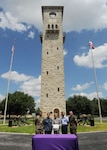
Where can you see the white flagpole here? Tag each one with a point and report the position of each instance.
(96, 83)
(5, 110)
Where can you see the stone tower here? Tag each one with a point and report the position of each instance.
(52, 79)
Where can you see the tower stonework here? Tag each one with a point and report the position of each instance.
(52, 79)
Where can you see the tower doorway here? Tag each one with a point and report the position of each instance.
(57, 112)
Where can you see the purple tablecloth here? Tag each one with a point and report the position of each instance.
(55, 142)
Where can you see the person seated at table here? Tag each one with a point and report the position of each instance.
(56, 124)
(72, 123)
(64, 122)
(47, 124)
(39, 124)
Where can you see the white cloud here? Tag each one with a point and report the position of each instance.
(65, 52)
(37, 103)
(10, 22)
(28, 84)
(99, 55)
(77, 15)
(105, 86)
(15, 76)
(31, 35)
(82, 87)
(89, 96)
(1, 97)
(32, 86)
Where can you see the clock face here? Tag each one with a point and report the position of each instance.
(52, 14)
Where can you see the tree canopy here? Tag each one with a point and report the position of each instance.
(79, 104)
(18, 104)
(82, 105)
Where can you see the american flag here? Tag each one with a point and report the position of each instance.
(12, 49)
(91, 45)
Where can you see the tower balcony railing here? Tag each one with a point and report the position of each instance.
(52, 30)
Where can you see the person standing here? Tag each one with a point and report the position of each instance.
(56, 124)
(47, 124)
(39, 124)
(72, 123)
(64, 122)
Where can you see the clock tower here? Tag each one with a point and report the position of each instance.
(52, 78)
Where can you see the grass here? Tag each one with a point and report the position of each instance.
(30, 129)
(96, 127)
(22, 128)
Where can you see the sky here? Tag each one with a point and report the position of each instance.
(21, 21)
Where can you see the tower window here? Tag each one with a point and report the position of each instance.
(52, 26)
(58, 89)
(47, 72)
(58, 67)
(57, 48)
(46, 95)
(47, 53)
(48, 26)
(56, 26)
(52, 14)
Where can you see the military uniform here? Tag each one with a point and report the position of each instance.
(73, 124)
(39, 125)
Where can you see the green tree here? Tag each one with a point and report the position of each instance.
(19, 103)
(78, 104)
(1, 106)
(37, 111)
(94, 106)
(104, 107)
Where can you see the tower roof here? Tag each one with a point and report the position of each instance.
(52, 8)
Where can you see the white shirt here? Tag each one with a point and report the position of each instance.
(64, 120)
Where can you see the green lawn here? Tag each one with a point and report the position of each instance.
(96, 127)
(30, 129)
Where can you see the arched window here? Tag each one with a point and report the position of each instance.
(52, 26)
(56, 110)
(48, 26)
(52, 14)
(56, 26)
